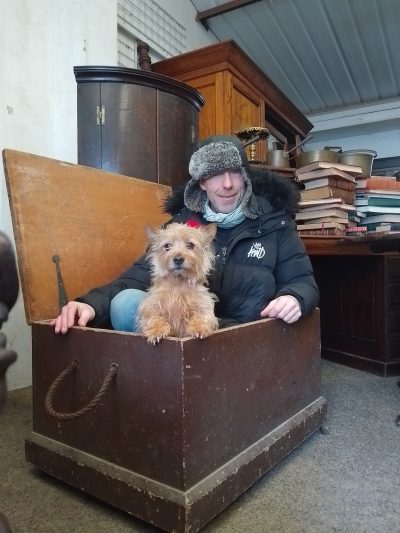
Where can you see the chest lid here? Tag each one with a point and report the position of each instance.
(92, 221)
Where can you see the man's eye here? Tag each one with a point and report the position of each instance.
(167, 246)
(190, 245)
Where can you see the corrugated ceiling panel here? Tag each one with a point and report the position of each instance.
(323, 54)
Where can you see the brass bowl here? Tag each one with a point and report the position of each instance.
(253, 134)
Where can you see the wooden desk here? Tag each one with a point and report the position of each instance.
(359, 281)
(327, 245)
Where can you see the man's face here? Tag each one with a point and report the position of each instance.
(225, 191)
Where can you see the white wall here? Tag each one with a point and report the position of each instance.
(372, 127)
(40, 43)
(184, 12)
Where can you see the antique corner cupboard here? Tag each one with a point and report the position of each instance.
(238, 94)
(136, 122)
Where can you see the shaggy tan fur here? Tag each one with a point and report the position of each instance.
(178, 303)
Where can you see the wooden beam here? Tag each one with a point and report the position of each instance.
(203, 16)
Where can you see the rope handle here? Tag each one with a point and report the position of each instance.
(76, 414)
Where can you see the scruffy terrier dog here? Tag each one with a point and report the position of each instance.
(178, 302)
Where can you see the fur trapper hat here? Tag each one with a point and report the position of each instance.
(215, 155)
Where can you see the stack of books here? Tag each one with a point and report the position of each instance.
(378, 198)
(327, 199)
(330, 216)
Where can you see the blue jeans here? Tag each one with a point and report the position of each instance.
(123, 310)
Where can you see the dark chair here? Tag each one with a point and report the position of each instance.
(8, 295)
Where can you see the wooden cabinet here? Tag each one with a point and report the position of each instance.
(360, 305)
(136, 123)
(237, 93)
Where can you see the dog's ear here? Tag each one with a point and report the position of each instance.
(150, 233)
(211, 230)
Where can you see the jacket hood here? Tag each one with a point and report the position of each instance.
(279, 190)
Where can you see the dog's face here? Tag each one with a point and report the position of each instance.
(181, 251)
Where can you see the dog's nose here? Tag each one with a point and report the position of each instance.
(178, 260)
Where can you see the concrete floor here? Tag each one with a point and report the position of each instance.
(346, 481)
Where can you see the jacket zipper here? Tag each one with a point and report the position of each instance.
(220, 266)
(223, 253)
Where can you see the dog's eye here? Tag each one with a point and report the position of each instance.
(190, 245)
(167, 246)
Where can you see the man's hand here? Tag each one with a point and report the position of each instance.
(285, 307)
(70, 313)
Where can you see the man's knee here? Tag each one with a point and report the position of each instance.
(123, 310)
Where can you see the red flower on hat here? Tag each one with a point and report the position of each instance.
(193, 223)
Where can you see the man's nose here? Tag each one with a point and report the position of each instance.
(227, 180)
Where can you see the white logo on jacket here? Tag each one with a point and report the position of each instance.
(256, 250)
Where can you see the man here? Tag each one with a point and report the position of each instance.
(261, 269)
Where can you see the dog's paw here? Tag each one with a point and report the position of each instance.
(154, 336)
(199, 332)
(153, 340)
(156, 333)
(199, 328)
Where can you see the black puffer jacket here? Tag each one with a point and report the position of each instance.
(256, 261)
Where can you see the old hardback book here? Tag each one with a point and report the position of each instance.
(378, 183)
(380, 230)
(322, 232)
(326, 203)
(328, 192)
(356, 231)
(333, 212)
(332, 181)
(306, 226)
(327, 169)
(378, 209)
(383, 226)
(338, 219)
(356, 228)
(378, 200)
(387, 218)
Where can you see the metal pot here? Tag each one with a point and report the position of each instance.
(359, 158)
(278, 158)
(328, 154)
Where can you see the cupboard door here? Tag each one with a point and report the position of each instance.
(247, 110)
(212, 113)
(89, 132)
(352, 302)
(246, 106)
(176, 138)
(129, 132)
(392, 308)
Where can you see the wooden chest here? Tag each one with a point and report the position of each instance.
(180, 429)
